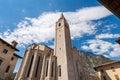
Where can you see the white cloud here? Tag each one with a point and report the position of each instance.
(90, 13)
(116, 51)
(109, 27)
(101, 36)
(102, 47)
(41, 29)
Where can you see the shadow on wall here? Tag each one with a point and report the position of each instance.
(104, 75)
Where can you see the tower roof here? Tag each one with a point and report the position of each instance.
(62, 16)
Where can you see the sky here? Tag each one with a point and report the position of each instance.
(93, 28)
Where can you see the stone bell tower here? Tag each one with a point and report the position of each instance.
(63, 50)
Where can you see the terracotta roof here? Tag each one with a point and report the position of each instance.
(8, 44)
(108, 63)
(17, 55)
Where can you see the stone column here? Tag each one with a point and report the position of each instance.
(25, 65)
(43, 68)
(49, 68)
(34, 65)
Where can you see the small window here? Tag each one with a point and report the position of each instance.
(60, 48)
(12, 58)
(5, 51)
(59, 70)
(1, 62)
(7, 70)
(117, 77)
(59, 24)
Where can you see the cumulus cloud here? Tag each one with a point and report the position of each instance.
(41, 29)
(103, 47)
(90, 13)
(101, 36)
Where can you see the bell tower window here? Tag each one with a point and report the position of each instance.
(59, 24)
(59, 70)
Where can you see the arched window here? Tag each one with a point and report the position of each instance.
(59, 70)
(36, 73)
(29, 69)
(47, 68)
(52, 69)
(59, 24)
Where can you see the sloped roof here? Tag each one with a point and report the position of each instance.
(17, 55)
(106, 64)
(9, 44)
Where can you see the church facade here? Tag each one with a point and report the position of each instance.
(63, 63)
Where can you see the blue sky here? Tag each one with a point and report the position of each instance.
(93, 27)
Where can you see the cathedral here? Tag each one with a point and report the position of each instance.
(63, 63)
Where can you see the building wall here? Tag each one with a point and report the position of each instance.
(34, 63)
(6, 58)
(80, 66)
(110, 72)
(11, 65)
(63, 51)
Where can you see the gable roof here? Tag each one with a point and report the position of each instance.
(3, 41)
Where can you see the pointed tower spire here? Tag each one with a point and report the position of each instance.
(62, 16)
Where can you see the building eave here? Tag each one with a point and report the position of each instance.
(17, 55)
(3, 41)
(106, 64)
(116, 11)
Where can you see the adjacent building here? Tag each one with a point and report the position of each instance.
(63, 63)
(112, 5)
(109, 71)
(118, 40)
(8, 59)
